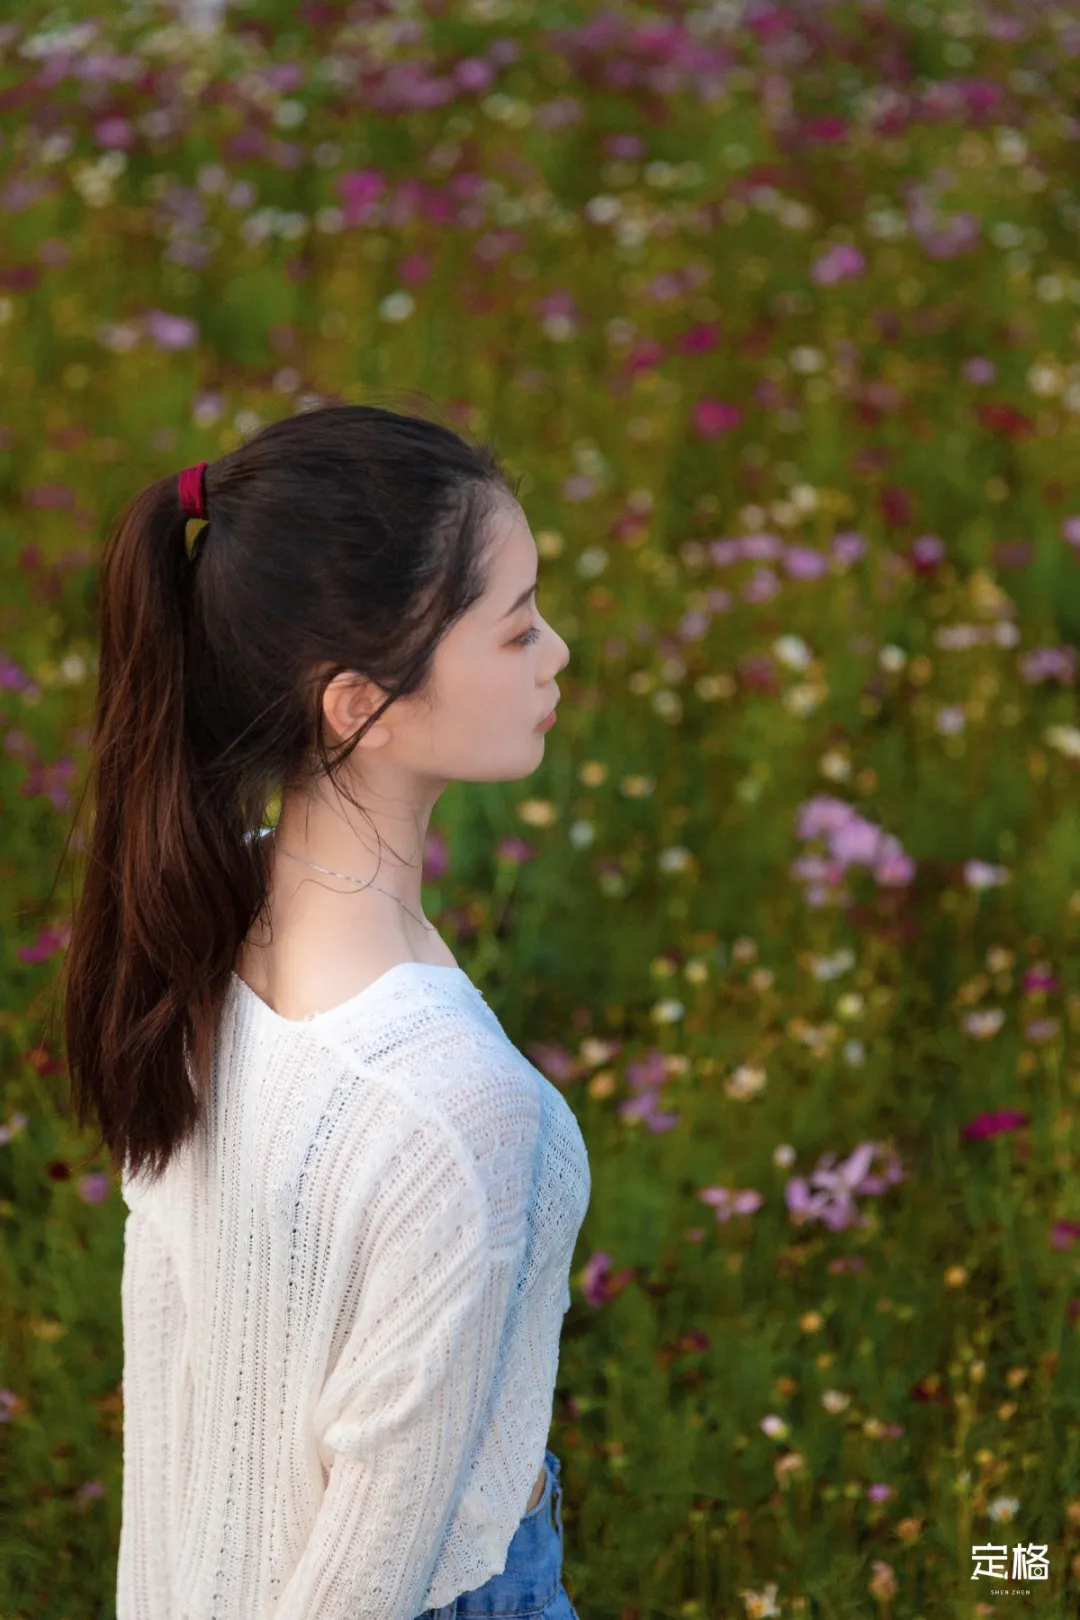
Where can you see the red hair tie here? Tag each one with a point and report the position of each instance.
(192, 498)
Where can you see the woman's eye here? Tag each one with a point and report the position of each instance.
(530, 635)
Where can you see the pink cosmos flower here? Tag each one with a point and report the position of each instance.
(840, 263)
(729, 1201)
(995, 1123)
(1063, 1234)
(834, 1186)
(713, 417)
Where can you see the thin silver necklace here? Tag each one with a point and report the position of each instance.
(349, 879)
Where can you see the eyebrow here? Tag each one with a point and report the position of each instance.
(522, 599)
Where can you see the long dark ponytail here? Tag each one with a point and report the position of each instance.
(345, 537)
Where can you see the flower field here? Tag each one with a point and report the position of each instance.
(777, 309)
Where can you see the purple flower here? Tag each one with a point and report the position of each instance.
(857, 842)
(803, 562)
(840, 263)
(728, 1201)
(647, 1109)
(94, 1188)
(762, 586)
(926, 552)
(170, 331)
(1063, 1234)
(993, 1124)
(473, 73)
(628, 147)
(979, 370)
(894, 869)
(834, 1186)
(693, 625)
(1049, 663)
(849, 545)
(820, 815)
(761, 547)
(1070, 530)
(115, 132)
(650, 1070)
(891, 1173)
(727, 551)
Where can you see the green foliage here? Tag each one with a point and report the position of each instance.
(762, 305)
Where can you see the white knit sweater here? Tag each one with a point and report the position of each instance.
(341, 1313)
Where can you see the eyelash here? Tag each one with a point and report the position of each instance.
(530, 635)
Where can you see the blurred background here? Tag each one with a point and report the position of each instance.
(777, 309)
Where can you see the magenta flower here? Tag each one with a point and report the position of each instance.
(358, 191)
(700, 338)
(840, 263)
(996, 1123)
(714, 417)
(827, 127)
(1063, 1234)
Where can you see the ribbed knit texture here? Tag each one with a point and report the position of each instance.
(341, 1313)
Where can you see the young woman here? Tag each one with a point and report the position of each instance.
(352, 1202)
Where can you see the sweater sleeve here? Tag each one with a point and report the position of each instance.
(401, 1410)
(153, 1325)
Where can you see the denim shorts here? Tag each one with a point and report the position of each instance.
(531, 1584)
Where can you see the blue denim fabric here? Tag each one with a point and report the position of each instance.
(531, 1584)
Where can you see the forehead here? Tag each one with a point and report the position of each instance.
(513, 546)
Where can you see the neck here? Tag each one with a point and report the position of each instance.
(370, 886)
